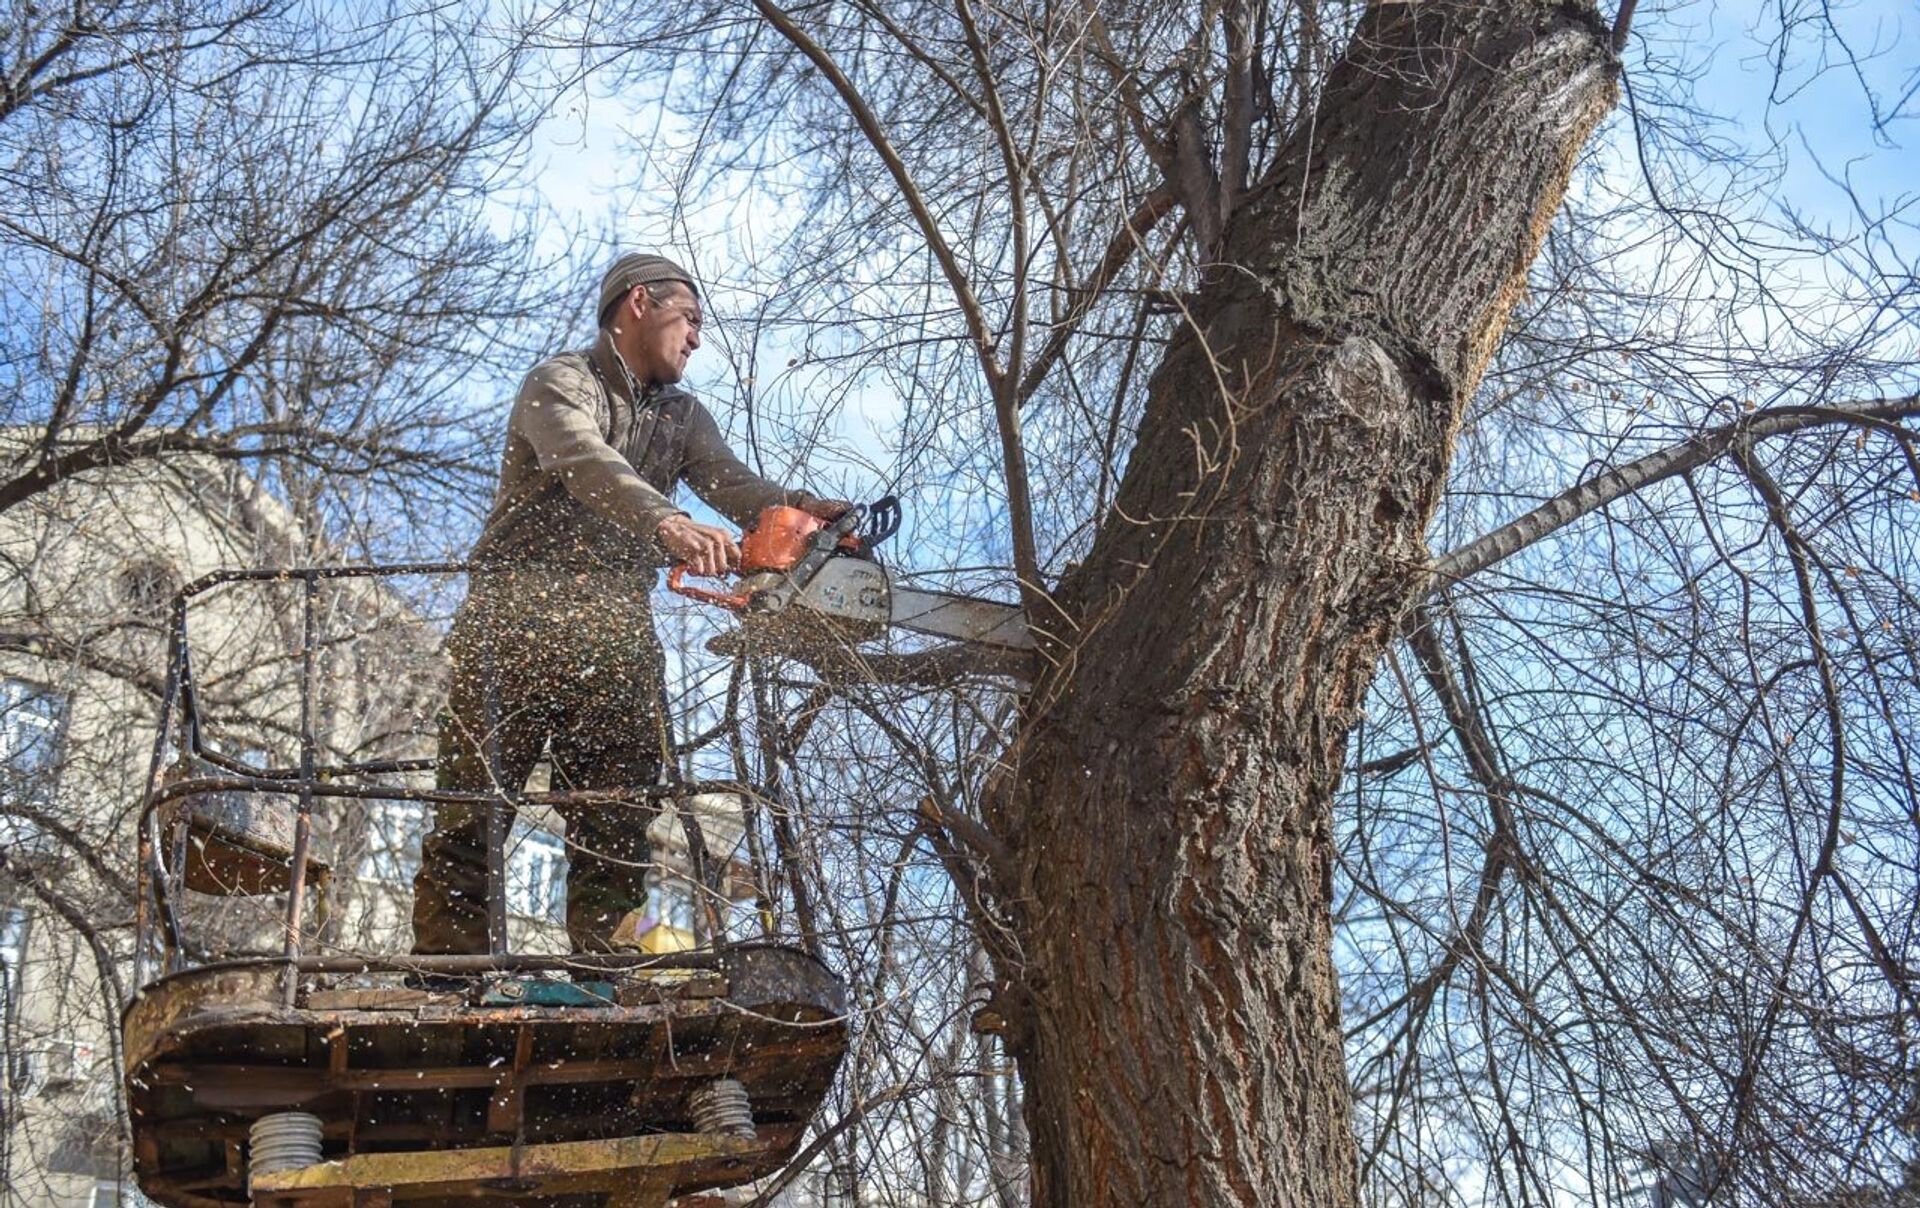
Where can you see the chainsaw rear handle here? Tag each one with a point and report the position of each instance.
(731, 601)
(883, 516)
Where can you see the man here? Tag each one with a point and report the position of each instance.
(554, 650)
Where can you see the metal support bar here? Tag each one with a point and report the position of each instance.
(377, 792)
(303, 823)
(148, 872)
(180, 756)
(486, 963)
(156, 874)
(708, 924)
(496, 823)
(707, 929)
(767, 721)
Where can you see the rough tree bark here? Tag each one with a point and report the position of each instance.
(1179, 1030)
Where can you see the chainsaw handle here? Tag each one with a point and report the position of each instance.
(883, 517)
(732, 601)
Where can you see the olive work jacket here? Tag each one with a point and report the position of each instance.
(589, 471)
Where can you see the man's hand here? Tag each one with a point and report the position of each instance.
(706, 550)
(826, 509)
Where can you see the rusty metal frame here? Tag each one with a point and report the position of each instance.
(805, 1004)
(159, 936)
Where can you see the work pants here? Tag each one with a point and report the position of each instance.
(556, 663)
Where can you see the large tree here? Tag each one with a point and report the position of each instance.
(1197, 303)
(1182, 1040)
(1226, 331)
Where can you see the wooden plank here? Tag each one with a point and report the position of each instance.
(213, 1190)
(574, 1165)
(509, 1099)
(394, 998)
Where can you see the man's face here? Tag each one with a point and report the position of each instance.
(665, 332)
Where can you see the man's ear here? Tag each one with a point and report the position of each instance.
(624, 309)
(639, 302)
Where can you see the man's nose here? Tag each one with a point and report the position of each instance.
(693, 338)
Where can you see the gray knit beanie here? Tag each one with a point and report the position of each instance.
(637, 268)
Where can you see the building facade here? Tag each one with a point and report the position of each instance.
(88, 572)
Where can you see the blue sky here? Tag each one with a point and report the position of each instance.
(1803, 93)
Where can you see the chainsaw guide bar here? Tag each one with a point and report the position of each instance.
(808, 583)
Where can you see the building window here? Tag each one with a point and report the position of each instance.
(30, 726)
(536, 859)
(670, 901)
(13, 956)
(537, 874)
(30, 717)
(394, 832)
(110, 1194)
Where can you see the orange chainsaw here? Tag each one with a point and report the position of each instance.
(795, 565)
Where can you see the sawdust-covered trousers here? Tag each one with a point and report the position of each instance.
(554, 663)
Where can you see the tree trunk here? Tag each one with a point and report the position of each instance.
(1173, 793)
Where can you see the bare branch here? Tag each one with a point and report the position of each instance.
(1690, 454)
(1623, 24)
(876, 136)
(1121, 248)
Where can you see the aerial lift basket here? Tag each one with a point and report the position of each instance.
(292, 1078)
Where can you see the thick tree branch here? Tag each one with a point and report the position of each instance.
(1126, 82)
(1006, 385)
(1801, 556)
(1237, 105)
(1575, 502)
(969, 831)
(1195, 179)
(1623, 25)
(1485, 763)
